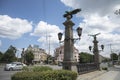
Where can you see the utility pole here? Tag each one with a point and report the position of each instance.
(49, 44)
(111, 53)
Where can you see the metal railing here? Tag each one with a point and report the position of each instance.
(86, 67)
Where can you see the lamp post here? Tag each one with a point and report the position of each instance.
(68, 61)
(95, 50)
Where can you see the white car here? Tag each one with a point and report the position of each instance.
(14, 66)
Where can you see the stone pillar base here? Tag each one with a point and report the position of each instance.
(69, 65)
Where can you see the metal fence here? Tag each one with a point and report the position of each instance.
(86, 67)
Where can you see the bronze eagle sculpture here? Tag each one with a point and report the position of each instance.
(70, 13)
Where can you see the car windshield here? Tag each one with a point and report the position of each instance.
(16, 63)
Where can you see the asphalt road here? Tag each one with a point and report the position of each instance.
(5, 75)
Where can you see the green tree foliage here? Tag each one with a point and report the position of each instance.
(1, 56)
(29, 56)
(114, 56)
(49, 59)
(85, 57)
(9, 55)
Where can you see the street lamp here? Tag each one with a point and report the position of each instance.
(68, 61)
(79, 32)
(102, 47)
(60, 36)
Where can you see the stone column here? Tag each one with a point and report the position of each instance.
(96, 52)
(69, 62)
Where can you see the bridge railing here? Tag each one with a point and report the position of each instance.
(86, 67)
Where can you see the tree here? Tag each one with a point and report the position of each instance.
(50, 59)
(1, 56)
(29, 56)
(85, 57)
(114, 56)
(9, 55)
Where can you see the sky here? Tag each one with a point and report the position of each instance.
(37, 22)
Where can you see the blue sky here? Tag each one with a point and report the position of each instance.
(24, 22)
(33, 11)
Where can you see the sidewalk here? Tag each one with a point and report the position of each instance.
(90, 75)
(110, 75)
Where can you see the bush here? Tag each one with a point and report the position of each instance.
(46, 75)
(36, 69)
(41, 68)
(25, 68)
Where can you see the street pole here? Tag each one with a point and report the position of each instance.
(49, 44)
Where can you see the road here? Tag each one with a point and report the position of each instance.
(5, 75)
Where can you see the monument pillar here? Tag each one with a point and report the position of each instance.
(68, 61)
(96, 52)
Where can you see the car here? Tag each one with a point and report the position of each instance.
(60, 63)
(14, 66)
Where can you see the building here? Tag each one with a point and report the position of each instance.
(39, 54)
(59, 54)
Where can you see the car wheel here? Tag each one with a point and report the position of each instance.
(11, 69)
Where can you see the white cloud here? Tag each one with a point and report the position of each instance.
(47, 34)
(13, 28)
(103, 24)
(102, 7)
(98, 16)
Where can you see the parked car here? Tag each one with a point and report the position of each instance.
(60, 63)
(14, 66)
